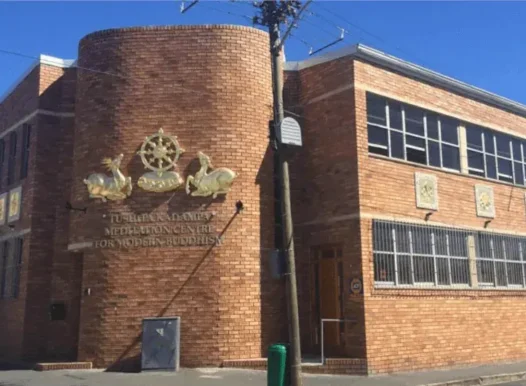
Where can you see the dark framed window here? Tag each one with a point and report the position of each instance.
(26, 143)
(4, 268)
(495, 155)
(11, 267)
(2, 160)
(412, 134)
(11, 167)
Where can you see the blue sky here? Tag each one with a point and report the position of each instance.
(481, 43)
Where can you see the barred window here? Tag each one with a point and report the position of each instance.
(500, 260)
(408, 254)
(409, 133)
(495, 155)
(11, 254)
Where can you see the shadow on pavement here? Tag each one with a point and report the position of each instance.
(6, 366)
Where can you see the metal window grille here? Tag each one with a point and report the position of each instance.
(412, 134)
(415, 255)
(433, 256)
(500, 260)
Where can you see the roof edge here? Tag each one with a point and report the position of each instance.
(415, 71)
(42, 59)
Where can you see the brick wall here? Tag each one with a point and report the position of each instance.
(209, 86)
(339, 188)
(49, 163)
(417, 329)
(18, 104)
(324, 187)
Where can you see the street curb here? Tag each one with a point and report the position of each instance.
(485, 380)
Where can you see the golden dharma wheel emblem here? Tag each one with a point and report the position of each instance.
(160, 153)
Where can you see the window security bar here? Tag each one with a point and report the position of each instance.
(410, 255)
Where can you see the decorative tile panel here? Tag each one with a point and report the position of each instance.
(15, 203)
(426, 191)
(484, 201)
(3, 208)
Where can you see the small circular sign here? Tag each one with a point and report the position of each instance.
(356, 286)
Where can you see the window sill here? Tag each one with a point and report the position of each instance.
(444, 170)
(423, 287)
(460, 287)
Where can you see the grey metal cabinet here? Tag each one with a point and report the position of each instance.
(160, 344)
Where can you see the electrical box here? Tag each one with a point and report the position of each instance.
(160, 344)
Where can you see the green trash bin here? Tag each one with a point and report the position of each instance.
(277, 365)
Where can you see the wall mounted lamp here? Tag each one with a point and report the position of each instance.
(239, 206)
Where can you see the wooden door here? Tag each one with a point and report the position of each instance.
(327, 296)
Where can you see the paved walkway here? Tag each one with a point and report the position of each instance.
(230, 377)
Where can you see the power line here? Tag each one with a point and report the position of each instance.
(244, 2)
(379, 38)
(331, 34)
(7, 52)
(302, 41)
(228, 12)
(33, 57)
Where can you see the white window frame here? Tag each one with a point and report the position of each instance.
(495, 259)
(393, 231)
(498, 157)
(404, 133)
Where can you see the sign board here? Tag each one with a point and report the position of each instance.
(290, 132)
(356, 287)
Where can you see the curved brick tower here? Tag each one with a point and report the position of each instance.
(211, 87)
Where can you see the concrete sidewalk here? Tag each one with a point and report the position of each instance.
(207, 377)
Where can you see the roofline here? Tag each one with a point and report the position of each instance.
(42, 59)
(371, 55)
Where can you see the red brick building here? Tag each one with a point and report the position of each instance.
(408, 204)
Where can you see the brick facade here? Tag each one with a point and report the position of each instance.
(228, 305)
(418, 329)
(343, 188)
(211, 87)
(42, 101)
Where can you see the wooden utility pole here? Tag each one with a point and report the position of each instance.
(288, 236)
(273, 13)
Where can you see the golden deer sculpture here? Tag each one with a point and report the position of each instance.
(115, 187)
(216, 182)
